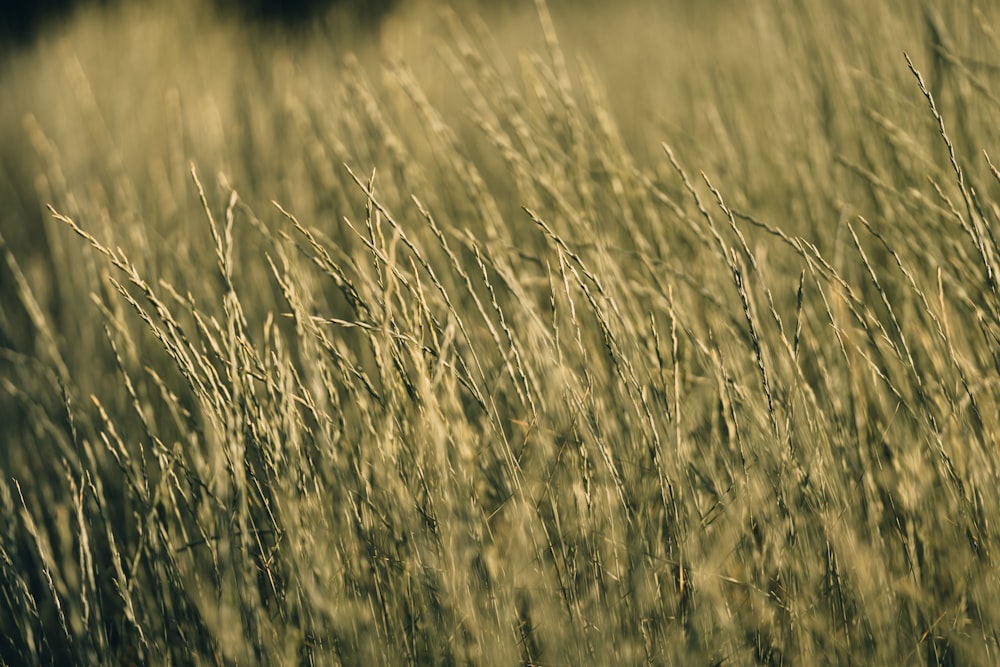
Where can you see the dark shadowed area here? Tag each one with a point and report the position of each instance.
(21, 22)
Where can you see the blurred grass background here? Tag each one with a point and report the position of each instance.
(742, 417)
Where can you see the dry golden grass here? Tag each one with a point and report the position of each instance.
(656, 335)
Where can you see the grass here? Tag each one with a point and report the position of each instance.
(683, 352)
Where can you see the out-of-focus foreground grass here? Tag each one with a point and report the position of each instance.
(627, 333)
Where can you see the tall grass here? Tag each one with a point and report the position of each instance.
(318, 360)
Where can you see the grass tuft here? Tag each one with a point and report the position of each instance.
(320, 356)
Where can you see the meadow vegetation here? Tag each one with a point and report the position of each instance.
(644, 333)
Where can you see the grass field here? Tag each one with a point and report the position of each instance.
(641, 333)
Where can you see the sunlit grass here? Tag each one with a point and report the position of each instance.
(460, 357)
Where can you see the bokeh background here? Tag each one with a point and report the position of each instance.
(137, 87)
